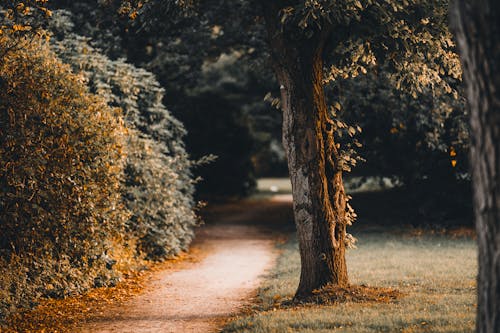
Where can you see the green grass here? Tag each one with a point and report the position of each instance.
(352, 184)
(436, 274)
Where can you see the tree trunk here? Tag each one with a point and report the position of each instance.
(477, 29)
(319, 199)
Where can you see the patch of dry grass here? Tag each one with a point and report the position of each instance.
(332, 295)
(436, 274)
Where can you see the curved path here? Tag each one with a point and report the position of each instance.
(200, 296)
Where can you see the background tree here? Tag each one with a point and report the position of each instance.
(477, 28)
(421, 144)
(203, 69)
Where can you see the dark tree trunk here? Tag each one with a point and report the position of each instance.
(315, 170)
(477, 29)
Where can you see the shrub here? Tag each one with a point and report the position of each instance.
(86, 190)
(61, 167)
(163, 216)
(159, 185)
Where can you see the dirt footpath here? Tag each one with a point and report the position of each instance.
(202, 295)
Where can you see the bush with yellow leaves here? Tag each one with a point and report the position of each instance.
(61, 168)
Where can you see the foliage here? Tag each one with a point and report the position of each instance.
(407, 98)
(207, 52)
(214, 67)
(19, 17)
(61, 168)
(159, 185)
(163, 217)
(231, 174)
(193, 61)
(23, 20)
(236, 129)
(408, 43)
(86, 189)
(393, 70)
(413, 139)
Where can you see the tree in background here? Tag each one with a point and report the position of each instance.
(202, 74)
(428, 135)
(420, 143)
(212, 70)
(477, 28)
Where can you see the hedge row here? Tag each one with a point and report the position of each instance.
(92, 181)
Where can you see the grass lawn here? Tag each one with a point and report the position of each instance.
(436, 274)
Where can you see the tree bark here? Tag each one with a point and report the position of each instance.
(477, 29)
(319, 200)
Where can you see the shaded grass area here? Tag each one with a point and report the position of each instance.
(435, 273)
